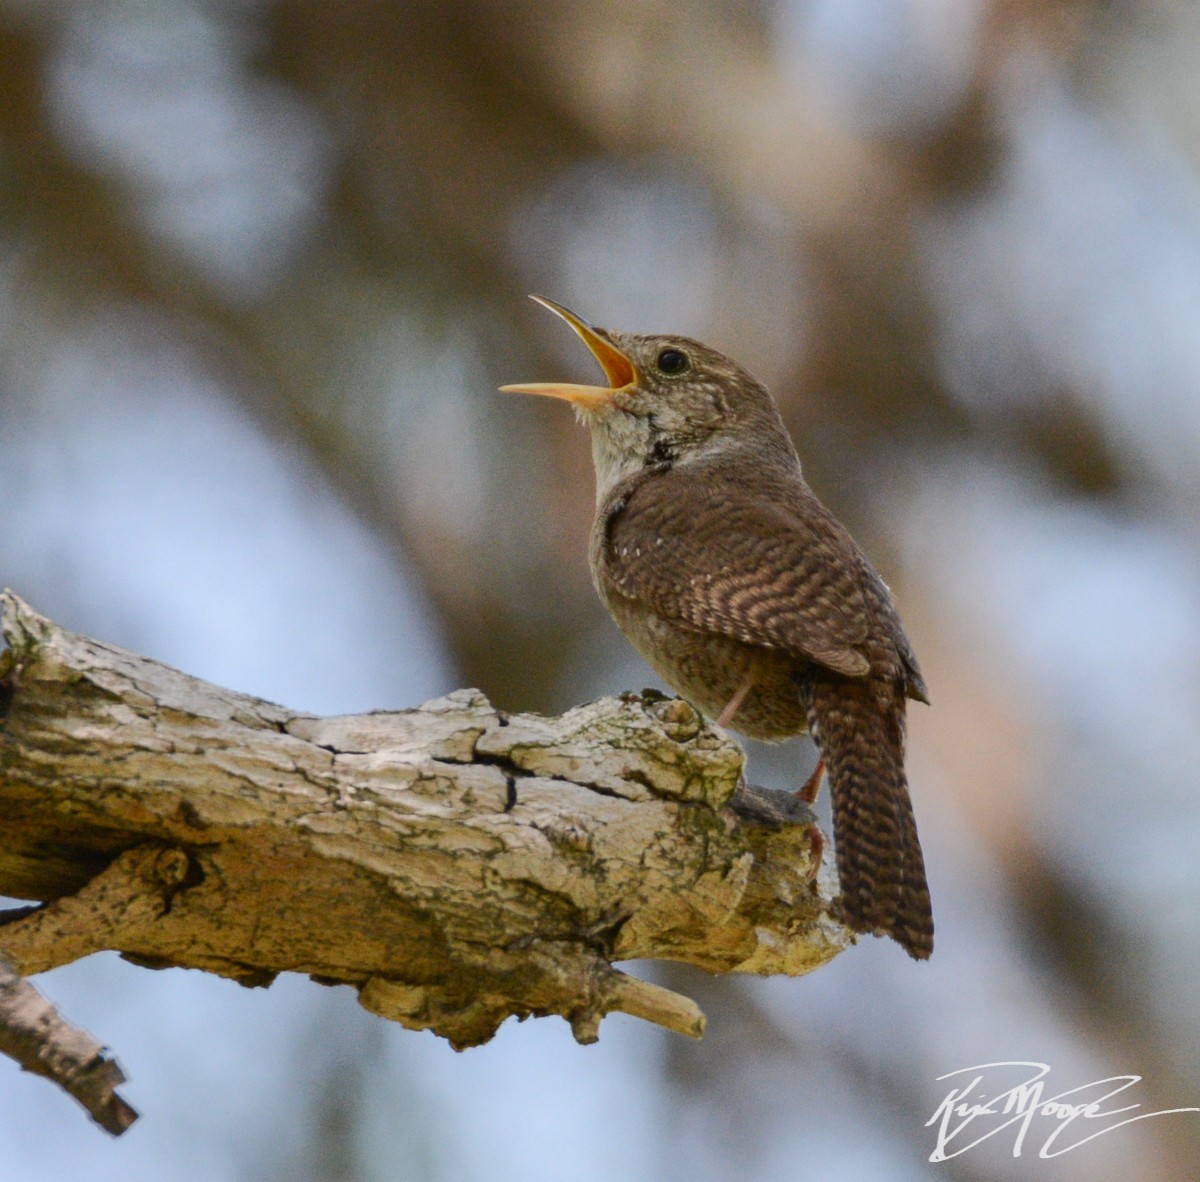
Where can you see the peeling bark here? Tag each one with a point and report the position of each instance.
(454, 864)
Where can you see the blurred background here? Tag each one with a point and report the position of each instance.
(262, 267)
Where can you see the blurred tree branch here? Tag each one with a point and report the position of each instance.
(33, 1034)
(454, 865)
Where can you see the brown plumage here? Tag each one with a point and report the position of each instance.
(742, 590)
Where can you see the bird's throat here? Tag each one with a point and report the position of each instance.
(621, 447)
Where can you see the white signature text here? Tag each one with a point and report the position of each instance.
(974, 1109)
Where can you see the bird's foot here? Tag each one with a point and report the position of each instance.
(816, 841)
(770, 807)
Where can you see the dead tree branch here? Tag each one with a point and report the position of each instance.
(455, 865)
(34, 1034)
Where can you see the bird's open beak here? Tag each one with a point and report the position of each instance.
(617, 367)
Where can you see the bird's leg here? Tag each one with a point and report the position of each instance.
(735, 703)
(808, 794)
(812, 786)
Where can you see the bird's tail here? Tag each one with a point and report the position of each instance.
(858, 726)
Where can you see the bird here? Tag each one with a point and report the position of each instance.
(750, 599)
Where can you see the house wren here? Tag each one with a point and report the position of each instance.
(747, 596)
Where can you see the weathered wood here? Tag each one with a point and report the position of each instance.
(455, 864)
(33, 1033)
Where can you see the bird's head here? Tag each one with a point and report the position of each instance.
(669, 399)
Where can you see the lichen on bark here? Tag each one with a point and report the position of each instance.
(454, 864)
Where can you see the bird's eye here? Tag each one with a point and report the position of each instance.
(672, 361)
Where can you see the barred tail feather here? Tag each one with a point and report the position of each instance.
(858, 726)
